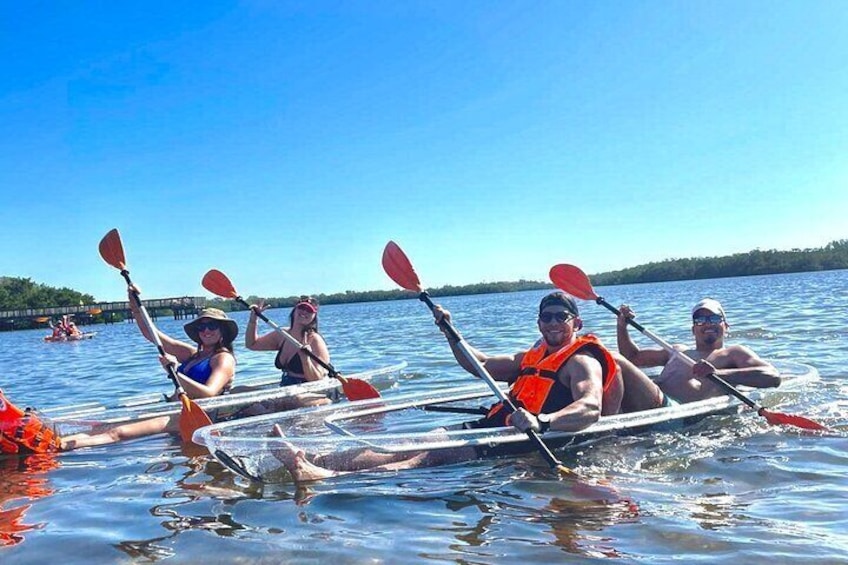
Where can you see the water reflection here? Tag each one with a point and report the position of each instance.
(565, 517)
(202, 478)
(22, 478)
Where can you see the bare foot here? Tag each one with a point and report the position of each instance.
(295, 461)
(67, 443)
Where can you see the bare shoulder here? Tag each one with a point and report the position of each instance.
(315, 337)
(742, 355)
(222, 358)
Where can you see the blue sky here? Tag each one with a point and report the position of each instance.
(286, 142)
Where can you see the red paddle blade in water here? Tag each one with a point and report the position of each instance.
(192, 418)
(777, 419)
(572, 280)
(218, 283)
(397, 266)
(355, 389)
(112, 250)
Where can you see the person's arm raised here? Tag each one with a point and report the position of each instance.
(179, 349)
(268, 342)
(500, 367)
(628, 348)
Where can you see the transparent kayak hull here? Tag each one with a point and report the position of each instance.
(404, 423)
(84, 417)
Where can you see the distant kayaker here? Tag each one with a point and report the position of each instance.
(58, 330)
(296, 365)
(205, 368)
(73, 330)
(565, 382)
(736, 364)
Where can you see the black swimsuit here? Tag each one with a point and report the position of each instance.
(294, 365)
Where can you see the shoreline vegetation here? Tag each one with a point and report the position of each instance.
(22, 293)
(832, 256)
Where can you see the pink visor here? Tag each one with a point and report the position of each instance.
(307, 305)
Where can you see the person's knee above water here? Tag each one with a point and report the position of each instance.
(687, 382)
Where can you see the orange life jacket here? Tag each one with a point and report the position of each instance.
(537, 388)
(21, 431)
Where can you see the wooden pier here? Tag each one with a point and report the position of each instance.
(109, 312)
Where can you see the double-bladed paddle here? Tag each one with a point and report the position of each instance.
(397, 266)
(192, 416)
(218, 283)
(574, 281)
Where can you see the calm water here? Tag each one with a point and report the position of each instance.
(732, 490)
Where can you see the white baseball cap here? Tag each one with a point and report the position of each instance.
(711, 305)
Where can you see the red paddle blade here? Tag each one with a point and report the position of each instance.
(218, 283)
(776, 419)
(112, 250)
(399, 269)
(192, 418)
(355, 389)
(573, 281)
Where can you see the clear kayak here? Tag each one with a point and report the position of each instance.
(404, 424)
(83, 417)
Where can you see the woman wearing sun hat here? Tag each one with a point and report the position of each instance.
(207, 366)
(204, 368)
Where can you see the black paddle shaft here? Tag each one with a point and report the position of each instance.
(456, 336)
(505, 399)
(330, 369)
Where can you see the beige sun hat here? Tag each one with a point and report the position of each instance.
(229, 328)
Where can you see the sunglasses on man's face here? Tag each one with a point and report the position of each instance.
(714, 319)
(210, 326)
(560, 317)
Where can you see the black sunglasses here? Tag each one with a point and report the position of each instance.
(711, 319)
(210, 326)
(561, 317)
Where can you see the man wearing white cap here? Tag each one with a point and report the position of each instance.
(681, 382)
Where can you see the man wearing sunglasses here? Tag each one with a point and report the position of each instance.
(564, 382)
(736, 364)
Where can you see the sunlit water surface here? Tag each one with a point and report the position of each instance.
(731, 490)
